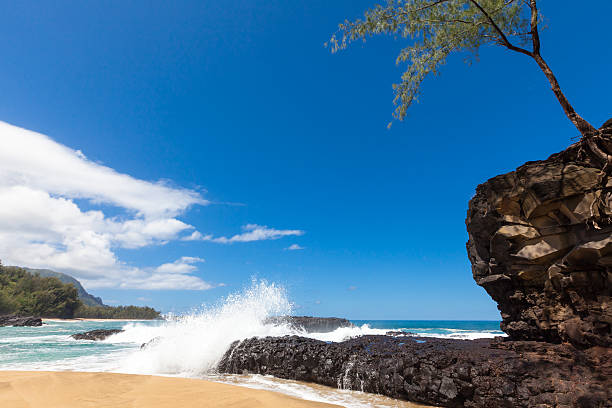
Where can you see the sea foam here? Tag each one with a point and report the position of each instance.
(193, 344)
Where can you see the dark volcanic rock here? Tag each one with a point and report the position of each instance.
(99, 334)
(312, 324)
(400, 333)
(20, 321)
(451, 373)
(540, 243)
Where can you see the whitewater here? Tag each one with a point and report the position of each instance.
(192, 345)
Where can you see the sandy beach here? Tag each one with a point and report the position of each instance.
(34, 389)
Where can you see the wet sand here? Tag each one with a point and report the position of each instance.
(39, 389)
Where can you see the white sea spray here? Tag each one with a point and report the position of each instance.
(193, 344)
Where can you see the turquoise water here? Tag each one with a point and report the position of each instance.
(50, 347)
(461, 329)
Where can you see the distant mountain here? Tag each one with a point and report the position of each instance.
(85, 297)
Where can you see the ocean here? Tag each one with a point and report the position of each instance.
(191, 345)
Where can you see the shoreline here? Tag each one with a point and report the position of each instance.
(60, 389)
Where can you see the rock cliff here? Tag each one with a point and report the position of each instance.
(540, 243)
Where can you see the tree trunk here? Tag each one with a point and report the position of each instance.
(584, 127)
(590, 135)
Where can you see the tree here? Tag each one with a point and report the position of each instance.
(438, 28)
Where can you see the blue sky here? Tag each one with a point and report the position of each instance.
(239, 103)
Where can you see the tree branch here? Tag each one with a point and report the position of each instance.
(504, 39)
(535, 36)
(435, 3)
(584, 127)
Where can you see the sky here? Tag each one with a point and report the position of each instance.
(167, 153)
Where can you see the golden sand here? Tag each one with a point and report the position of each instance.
(39, 389)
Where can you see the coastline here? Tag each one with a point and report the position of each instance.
(46, 389)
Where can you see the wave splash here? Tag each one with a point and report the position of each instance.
(193, 344)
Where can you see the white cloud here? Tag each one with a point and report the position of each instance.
(253, 232)
(41, 224)
(352, 288)
(54, 213)
(29, 158)
(294, 247)
(156, 280)
(194, 236)
(183, 265)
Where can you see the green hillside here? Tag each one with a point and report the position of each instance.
(22, 293)
(86, 298)
(45, 293)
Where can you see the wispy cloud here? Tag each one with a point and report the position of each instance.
(194, 236)
(352, 288)
(294, 247)
(251, 232)
(35, 160)
(182, 265)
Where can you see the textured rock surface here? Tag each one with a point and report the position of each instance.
(20, 321)
(451, 373)
(99, 334)
(540, 243)
(312, 324)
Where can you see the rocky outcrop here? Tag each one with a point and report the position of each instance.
(311, 324)
(450, 373)
(12, 320)
(96, 335)
(540, 243)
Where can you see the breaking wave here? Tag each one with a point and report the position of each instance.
(192, 345)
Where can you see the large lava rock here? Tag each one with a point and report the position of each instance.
(12, 320)
(450, 373)
(540, 243)
(311, 324)
(96, 335)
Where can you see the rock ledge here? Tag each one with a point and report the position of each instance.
(450, 373)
